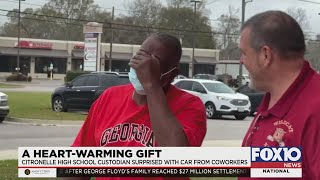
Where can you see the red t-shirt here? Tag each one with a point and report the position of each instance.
(115, 120)
(293, 121)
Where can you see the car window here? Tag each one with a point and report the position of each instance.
(218, 88)
(122, 80)
(81, 81)
(178, 83)
(109, 80)
(187, 85)
(114, 80)
(197, 86)
(92, 80)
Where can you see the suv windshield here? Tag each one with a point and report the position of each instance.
(218, 88)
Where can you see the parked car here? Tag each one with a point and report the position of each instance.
(206, 76)
(4, 106)
(218, 98)
(245, 79)
(254, 96)
(85, 89)
(180, 77)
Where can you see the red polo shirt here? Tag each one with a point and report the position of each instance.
(293, 121)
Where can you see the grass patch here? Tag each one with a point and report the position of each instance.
(4, 85)
(37, 105)
(9, 170)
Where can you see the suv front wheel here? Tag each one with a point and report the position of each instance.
(58, 104)
(210, 110)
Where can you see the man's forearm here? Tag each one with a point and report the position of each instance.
(167, 129)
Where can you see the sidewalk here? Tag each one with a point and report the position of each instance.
(40, 122)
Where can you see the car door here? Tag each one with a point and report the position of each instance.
(198, 90)
(72, 95)
(89, 90)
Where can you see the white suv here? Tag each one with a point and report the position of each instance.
(218, 98)
(4, 107)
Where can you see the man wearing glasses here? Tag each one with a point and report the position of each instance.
(273, 47)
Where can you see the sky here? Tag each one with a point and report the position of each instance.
(215, 8)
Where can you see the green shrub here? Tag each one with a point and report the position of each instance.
(73, 74)
(17, 77)
(29, 79)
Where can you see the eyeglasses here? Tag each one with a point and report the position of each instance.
(252, 130)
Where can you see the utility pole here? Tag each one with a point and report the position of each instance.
(244, 2)
(111, 40)
(19, 26)
(193, 35)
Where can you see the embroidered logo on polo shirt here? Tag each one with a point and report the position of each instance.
(282, 127)
(277, 136)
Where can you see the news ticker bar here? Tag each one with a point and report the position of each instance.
(138, 172)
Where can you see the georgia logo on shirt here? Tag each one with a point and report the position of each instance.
(282, 127)
(126, 132)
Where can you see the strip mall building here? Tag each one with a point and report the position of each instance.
(36, 55)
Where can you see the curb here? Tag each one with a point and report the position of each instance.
(43, 122)
(13, 153)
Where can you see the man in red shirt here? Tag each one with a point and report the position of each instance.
(273, 46)
(150, 112)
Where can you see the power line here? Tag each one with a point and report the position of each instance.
(81, 25)
(22, 3)
(123, 10)
(127, 25)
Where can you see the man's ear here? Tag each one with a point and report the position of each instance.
(267, 55)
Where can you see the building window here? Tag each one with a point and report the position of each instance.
(77, 65)
(9, 64)
(120, 66)
(42, 65)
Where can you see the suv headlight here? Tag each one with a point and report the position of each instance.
(223, 98)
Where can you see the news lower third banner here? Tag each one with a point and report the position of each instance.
(51, 162)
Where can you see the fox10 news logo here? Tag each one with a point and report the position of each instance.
(276, 157)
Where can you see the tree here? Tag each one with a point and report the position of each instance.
(229, 29)
(144, 13)
(179, 21)
(57, 19)
(300, 15)
(313, 55)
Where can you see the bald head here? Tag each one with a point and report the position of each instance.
(172, 43)
(277, 30)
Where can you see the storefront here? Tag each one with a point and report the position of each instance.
(37, 56)
(77, 57)
(205, 65)
(119, 63)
